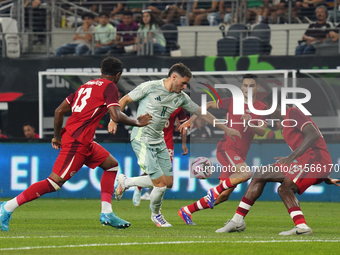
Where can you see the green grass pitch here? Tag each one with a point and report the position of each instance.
(56, 226)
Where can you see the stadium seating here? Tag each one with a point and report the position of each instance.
(230, 44)
(258, 41)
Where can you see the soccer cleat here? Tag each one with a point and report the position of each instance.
(110, 219)
(4, 217)
(136, 196)
(211, 197)
(186, 217)
(120, 187)
(146, 196)
(160, 221)
(232, 226)
(297, 231)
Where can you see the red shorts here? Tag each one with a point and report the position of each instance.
(228, 159)
(308, 171)
(73, 155)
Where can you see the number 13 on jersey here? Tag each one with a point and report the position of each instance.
(82, 95)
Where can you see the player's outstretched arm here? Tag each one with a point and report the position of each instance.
(118, 116)
(331, 181)
(59, 113)
(211, 119)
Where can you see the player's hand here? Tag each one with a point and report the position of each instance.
(112, 127)
(144, 120)
(331, 181)
(246, 117)
(56, 143)
(185, 149)
(284, 160)
(184, 127)
(233, 132)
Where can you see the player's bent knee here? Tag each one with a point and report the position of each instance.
(54, 185)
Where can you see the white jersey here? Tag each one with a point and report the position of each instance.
(156, 100)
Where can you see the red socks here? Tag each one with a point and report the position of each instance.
(244, 206)
(37, 190)
(297, 215)
(107, 183)
(197, 206)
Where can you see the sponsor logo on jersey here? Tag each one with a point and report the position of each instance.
(237, 158)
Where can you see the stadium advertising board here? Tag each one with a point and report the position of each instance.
(34, 161)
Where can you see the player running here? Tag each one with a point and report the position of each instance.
(231, 153)
(88, 104)
(160, 98)
(169, 142)
(309, 149)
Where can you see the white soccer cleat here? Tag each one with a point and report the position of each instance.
(146, 196)
(232, 226)
(297, 231)
(119, 191)
(136, 196)
(160, 221)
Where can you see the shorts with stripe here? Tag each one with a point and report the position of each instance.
(153, 159)
(228, 158)
(73, 155)
(309, 170)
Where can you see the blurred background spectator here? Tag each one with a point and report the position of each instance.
(105, 35)
(313, 34)
(82, 40)
(201, 9)
(2, 136)
(151, 33)
(200, 130)
(29, 131)
(125, 40)
(222, 15)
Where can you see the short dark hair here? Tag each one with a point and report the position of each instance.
(250, 76)
(106, 14)
(127, 13)
(87, 14)
(111, 66)
(181, 69)
(322, 7)
(28, 124)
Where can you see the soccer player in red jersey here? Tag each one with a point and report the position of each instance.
(313, 166)
(29, 131)
(231, 153)
(88, 104)
(169, 141)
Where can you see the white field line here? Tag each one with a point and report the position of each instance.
(162, 243)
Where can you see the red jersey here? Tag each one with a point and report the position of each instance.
(3, 136)
(294, 136)
(89, 104)
(36, 136)
(240, 146)
(169, 125)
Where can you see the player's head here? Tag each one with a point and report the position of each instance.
(127, 18)
(29, 130)
(104, 18)
(268, 100)
(111, 69)
(87, 18)
(249, 81)
(180, 75)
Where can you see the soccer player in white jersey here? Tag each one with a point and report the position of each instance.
(159, 98)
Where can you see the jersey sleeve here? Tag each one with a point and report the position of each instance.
(70, 98)
(224, 103)
(188, 104)
(140, 91)
(110, 95)
(182, 116)
(301, 120)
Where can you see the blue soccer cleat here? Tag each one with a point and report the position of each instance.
(186, 217)
(4, 217)
(211, 198)
(110, 219)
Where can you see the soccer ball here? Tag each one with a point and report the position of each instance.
(201, 168)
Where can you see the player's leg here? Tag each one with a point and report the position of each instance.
(253, 192)
(162, 166)
(98, 156)
(287, 192)
(68, 161)
(235, 171)
(186, 211)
